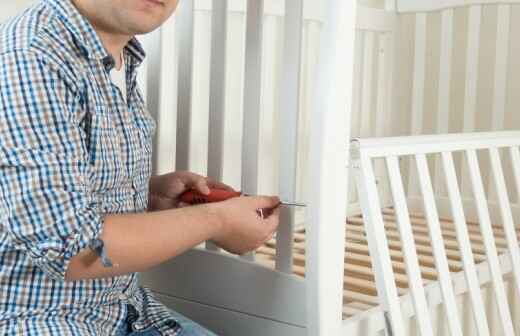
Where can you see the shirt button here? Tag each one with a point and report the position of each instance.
(123, 297)
(137, 326)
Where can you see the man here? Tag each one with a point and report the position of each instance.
(79, 213)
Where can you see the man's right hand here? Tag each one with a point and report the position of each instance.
(243, 230)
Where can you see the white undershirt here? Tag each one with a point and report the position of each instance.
(119, 77)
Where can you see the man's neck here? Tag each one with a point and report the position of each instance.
(113, 42)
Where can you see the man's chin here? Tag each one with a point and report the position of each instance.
(144, 29)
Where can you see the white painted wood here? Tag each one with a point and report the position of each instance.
(288, 119)
(252, 98)
(199, 114)
(162, 92)
(459, 220)
(443, 110)
(470, 95)
(424, 144)
(487, 235)
(515, 160)
(437, 243)
(185, 26)
(374, 20)
(372, 322)
(382, 110)
(367, 97)
(409, 249)
(378, 245)
(501, 71)
(507, 215)
(228, 322)
(435, 5)
(233, 123)
(357, 84)
(418, 91)
(269, 124)
(328, 157)
(313, 10)
(390, 5)
(225, 281)
(217, 93)
(356, 104)
(501, 67)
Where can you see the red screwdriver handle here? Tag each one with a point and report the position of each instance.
(215, 195)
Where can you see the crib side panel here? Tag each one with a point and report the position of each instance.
(488, 249)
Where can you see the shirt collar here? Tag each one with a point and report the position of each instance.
(84, 33)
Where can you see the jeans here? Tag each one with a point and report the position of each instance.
(189, 328)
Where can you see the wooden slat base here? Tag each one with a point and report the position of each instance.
(360, 292)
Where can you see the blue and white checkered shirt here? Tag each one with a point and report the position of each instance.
(71, 151)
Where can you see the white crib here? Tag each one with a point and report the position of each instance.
(430, 244)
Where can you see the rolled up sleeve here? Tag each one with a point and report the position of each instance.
(47, 209)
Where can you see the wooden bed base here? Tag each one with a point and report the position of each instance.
(360, 292)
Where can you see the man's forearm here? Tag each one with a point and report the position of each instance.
(136, 242)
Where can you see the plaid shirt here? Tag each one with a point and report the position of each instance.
(71, 151)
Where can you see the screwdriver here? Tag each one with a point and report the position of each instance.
(219, 195)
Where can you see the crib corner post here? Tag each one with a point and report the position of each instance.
(328, 172)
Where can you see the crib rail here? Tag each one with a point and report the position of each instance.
(419, 150)
(435, 5)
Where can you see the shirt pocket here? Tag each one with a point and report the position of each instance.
(106, 157)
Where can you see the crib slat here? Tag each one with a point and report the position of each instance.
(357, 84)
(366, 102)
(501, 66)
(506, 213)
(450, 305)
(459, 220)
(162, 93)
(252, 98)
(443, 112)
(288, 116)
(470, 95)
(501, 70)
(378, 244)
(185, 25)
(487, 234)
(252, 95)
(412, 264)
(472, 62)
(217, 93)
(382, 110)
(418, 91)
(515, 160)
(357, 80)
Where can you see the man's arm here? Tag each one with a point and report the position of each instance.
(136, 242)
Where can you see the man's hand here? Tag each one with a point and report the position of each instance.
(166, 189)
(242, 229)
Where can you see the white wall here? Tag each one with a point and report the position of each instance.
(9, 8)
